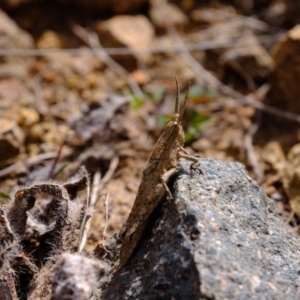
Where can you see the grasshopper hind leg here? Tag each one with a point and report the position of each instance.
(164, 178)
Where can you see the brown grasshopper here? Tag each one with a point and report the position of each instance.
(160, 167)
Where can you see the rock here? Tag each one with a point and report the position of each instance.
(160, 11)
(11, 89)
(46, 132)
(220, 238)
(85, 63)
(140, 76)
(285, 88)
(11, 36)
(134, 32)
(28, 117)
(50, 40)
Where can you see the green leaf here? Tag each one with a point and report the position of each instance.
(4, 195)
(196, 91)
(59, 171)
(136, 103)
(189, 136)
(211, 93)
(196, 121)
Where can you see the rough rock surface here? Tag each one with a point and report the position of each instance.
(220, 238)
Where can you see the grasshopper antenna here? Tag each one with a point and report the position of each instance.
(177, 97)
(184, 103)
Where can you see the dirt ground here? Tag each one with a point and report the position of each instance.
(94, 86)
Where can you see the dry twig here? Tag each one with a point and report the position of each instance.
(252, 157)
(55, 162)
(110, 172)
(90, 203)
(106, 222)
(28, 162)
(203, 45)
(92, 41)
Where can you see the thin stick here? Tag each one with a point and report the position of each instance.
(28, 162)
(93, 41)
(106, 220)
(110, 172)
(54, 164)
(177, 96)
(90, 203)
(203, 45)
(226, 90)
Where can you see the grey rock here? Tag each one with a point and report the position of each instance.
(220, 238)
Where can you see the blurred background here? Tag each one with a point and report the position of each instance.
(92, 83)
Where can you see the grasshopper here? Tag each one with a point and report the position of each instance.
(153, 187)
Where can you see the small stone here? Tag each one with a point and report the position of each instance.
(162, 10)
(76, 82)
(134, 32)
(11, 89)
(92, 80)
(28, 117)
(11, 139)
(46, 132)
(85, 62)
(140, 76)
(49, 40)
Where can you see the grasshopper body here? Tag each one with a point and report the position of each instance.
(160, 167)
